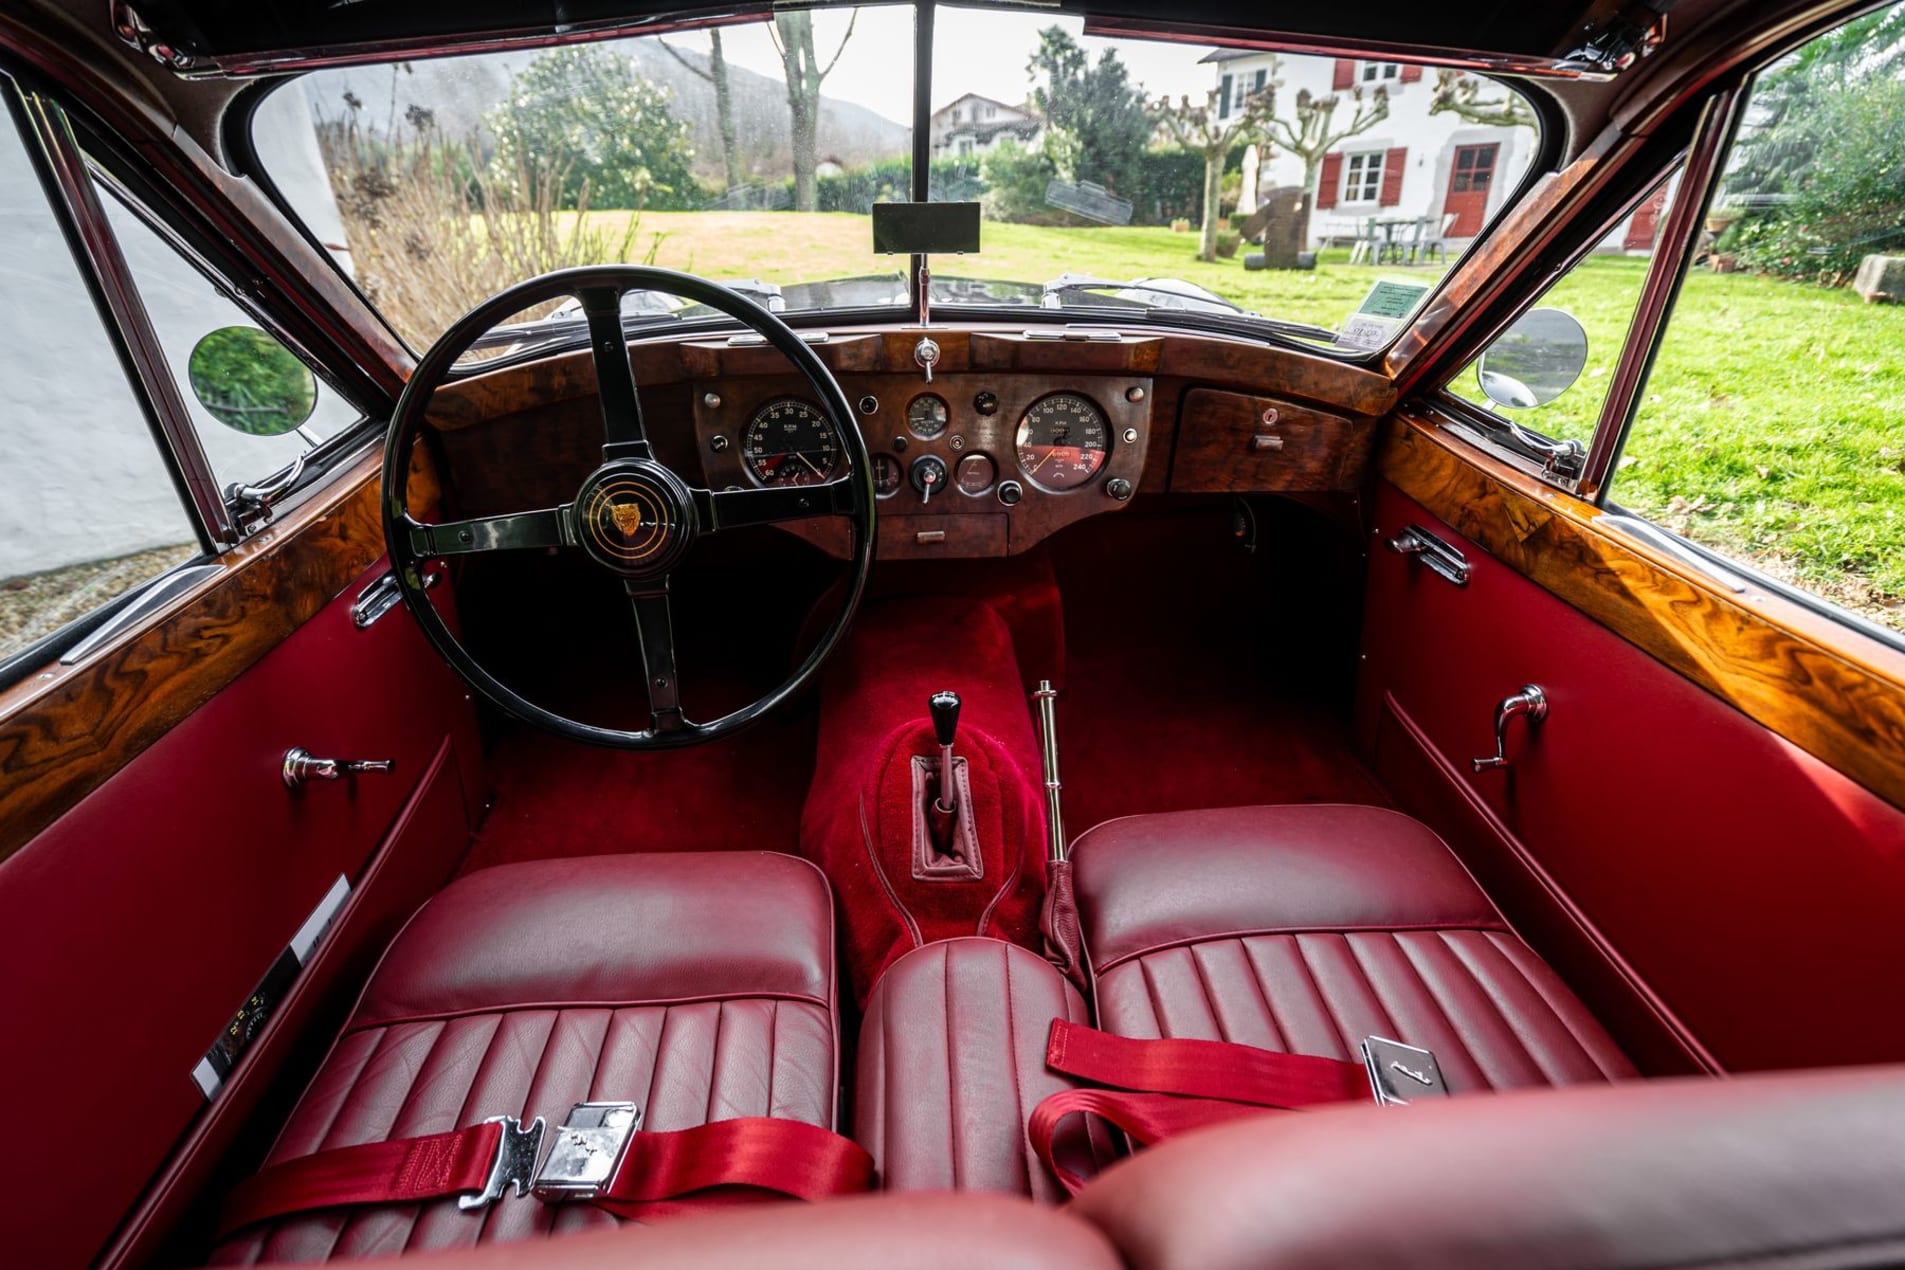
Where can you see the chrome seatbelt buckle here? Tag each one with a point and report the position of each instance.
(587, 1149)
(516, 1153)
(1401, 1074)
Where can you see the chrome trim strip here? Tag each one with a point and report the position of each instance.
(158, 593)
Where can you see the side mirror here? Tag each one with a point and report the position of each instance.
(1534, 361)
(250, 382)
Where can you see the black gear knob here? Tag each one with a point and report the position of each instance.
(945, 710)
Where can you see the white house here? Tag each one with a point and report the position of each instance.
(1412, 164)
(973, 125)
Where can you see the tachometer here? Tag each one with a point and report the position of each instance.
(789, 442)
(1063, 441)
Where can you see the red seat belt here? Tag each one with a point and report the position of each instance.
(785, 1156)
(1165, 1087)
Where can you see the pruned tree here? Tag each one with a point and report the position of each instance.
(793, 33)
(1313, 130)
(1202, 130)
(1461, 94)
(716, 74)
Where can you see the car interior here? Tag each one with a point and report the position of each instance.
(898, 764)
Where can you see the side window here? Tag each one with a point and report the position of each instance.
(88, 506)
(256, 407)
(1772, 426)
(1523, 376)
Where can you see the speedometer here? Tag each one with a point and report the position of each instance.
(1063, 441)
(789, 442)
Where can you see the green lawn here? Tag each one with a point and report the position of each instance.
(1773, 428)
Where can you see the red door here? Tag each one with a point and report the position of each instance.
(1644, 222)
(1469, 181)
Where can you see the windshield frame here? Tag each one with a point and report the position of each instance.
(1548, 144)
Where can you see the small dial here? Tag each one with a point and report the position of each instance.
(1063, 441)
(927, 416)
(886, 475)
(975, 474)
(928, 476)
(789, 442)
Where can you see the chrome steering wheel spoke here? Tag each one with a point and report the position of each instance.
(735, 508)
(623, 433)
(655, 629)
(515, 531)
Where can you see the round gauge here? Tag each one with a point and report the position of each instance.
(886, 476)
(1063, 441)
(789, 442)
(974, 474)
(927, 416)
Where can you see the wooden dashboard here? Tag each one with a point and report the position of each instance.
(1183, 414)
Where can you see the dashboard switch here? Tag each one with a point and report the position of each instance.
(1010, 492)
(1118, 488)
(928, 476)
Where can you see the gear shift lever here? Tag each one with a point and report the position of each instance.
(944, 707)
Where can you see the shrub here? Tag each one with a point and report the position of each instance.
(1848, 199)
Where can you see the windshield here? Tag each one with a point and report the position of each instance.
(1318, 197)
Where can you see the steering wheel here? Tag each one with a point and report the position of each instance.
(631, 515)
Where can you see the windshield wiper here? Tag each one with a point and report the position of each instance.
(1197, 303)
(554, 331)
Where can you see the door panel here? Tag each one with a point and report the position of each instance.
(139, 921)
(1689, 851)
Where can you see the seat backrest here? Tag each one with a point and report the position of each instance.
(873, 1232)
(1800, 1169)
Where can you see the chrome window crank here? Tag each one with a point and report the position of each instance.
(300, 765)
(1530, 701)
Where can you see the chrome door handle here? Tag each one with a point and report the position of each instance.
(300, 765)
(1442, 559)
(1530, 701)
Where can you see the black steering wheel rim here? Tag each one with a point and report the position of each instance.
(627, 463)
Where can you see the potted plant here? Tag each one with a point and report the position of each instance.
(1180, 224)
(1227, 243)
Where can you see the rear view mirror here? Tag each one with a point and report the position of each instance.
(1535, 360)
(250, 382)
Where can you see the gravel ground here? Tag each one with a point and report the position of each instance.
(38, 604)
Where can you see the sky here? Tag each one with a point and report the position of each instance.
(974, 50)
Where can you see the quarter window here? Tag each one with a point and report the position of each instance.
(1600, 292)
(262, 422)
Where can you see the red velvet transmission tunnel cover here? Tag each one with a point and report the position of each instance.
(700, 987)
(897, 889)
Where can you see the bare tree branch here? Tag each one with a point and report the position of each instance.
(851, 19)
(686, 65)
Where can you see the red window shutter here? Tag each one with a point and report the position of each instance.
(1392, 175)
(1331, 181)
(1411, 74)
(1345, 74)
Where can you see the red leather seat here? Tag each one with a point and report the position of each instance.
(700, 986)
(1787, 1170)
(1307, 928)
(952, 1061)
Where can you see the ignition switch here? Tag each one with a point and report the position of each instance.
(928, 476)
